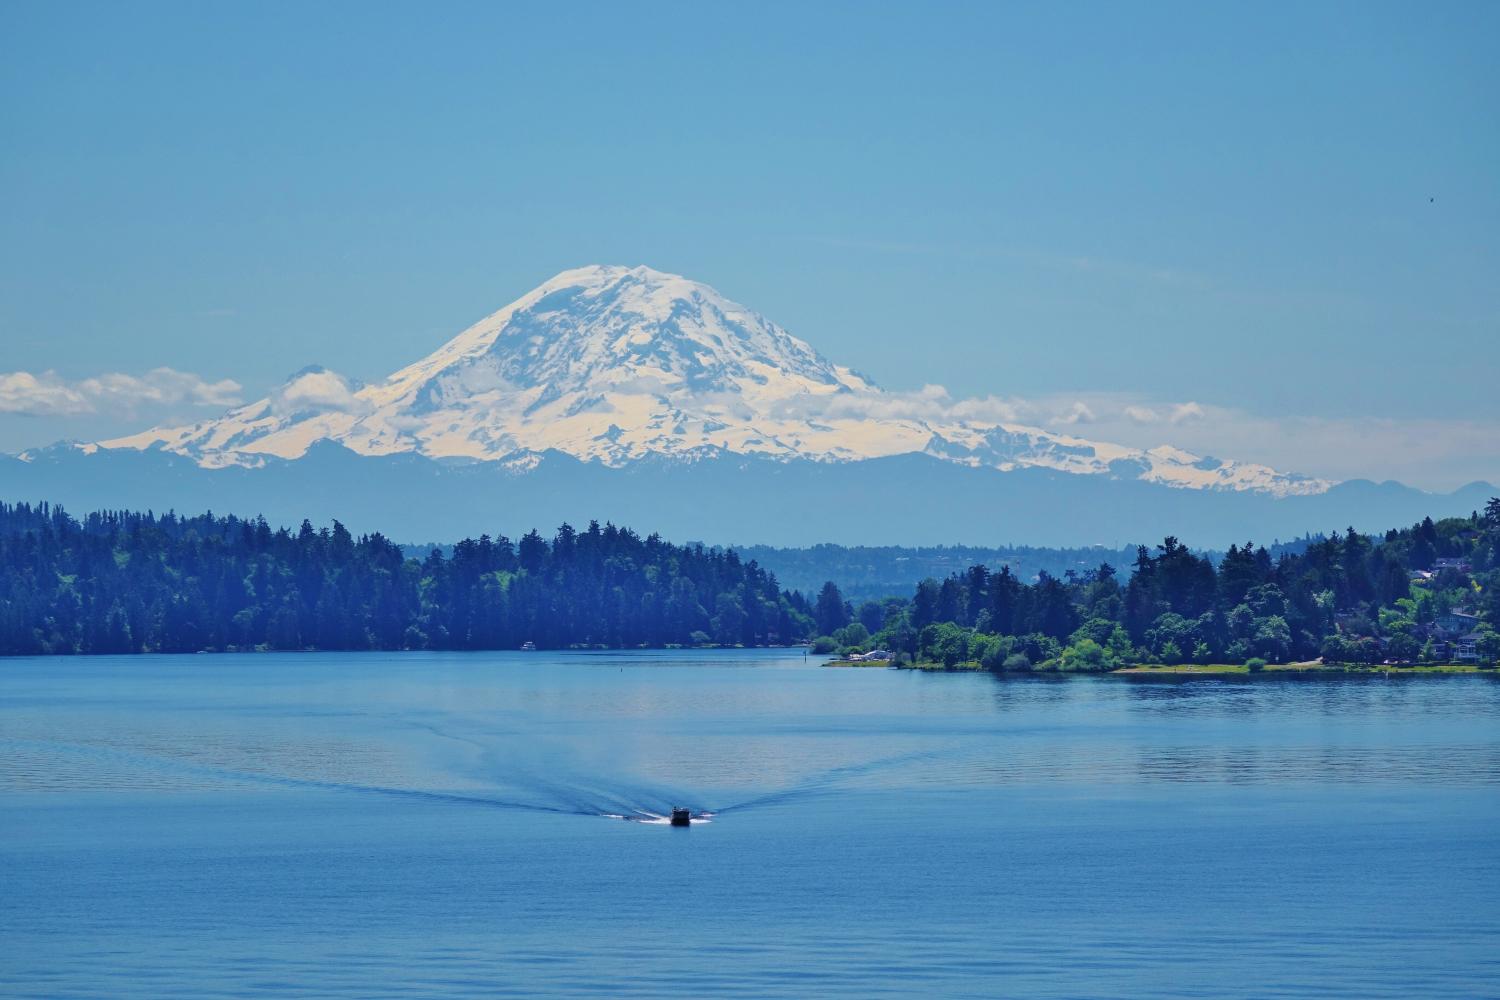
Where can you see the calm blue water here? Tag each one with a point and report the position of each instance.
(421, 825)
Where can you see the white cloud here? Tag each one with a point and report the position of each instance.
(993, 409)
(1078, 413)
(1184, 412)
(318, 389)
(931, 403)
(23, 392)
(49, 394)
(1437, 454)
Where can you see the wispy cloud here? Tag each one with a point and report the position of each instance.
(49, 394)
(1434, 453)
(930, 403)
(1171, 413)
(321, 390)
(1185, 412)
(1078, 413)
(1438, 453)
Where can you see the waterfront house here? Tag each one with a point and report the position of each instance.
(1466, 648)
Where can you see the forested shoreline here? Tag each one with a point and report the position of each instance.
(127, 582)
(123, 582)
(1425, 594)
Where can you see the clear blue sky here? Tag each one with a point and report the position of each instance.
(1280, 210)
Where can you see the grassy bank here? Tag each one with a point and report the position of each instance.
(1201, 669)
(1226, 669)
(1213, 669)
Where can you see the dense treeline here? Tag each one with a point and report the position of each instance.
(119, 582)
(1428, 593)
(873, 572)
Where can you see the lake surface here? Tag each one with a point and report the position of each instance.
(412, 825)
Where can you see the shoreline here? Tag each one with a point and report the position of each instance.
(1240, 670)
(1197, 669)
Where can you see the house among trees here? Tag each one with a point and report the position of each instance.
(1455, 623)
(1466, 647)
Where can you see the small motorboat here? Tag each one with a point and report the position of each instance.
(528, 647)
(681, 816)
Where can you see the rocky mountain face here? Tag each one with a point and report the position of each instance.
(616, 365)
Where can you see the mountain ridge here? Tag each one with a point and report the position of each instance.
(909, 499)
(617, 364)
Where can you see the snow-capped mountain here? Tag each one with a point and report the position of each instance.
(615, 364)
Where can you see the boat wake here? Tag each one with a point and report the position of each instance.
(615, 799)
(189, 768)
(832, 780)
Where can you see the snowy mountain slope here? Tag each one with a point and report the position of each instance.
(614, 365)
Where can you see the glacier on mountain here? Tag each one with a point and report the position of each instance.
(616, 364)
